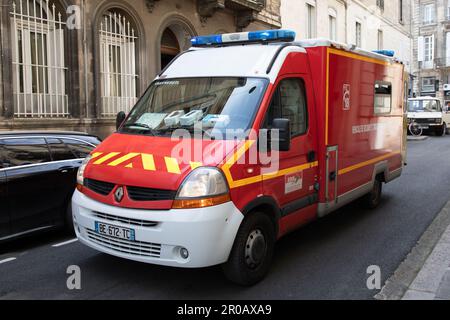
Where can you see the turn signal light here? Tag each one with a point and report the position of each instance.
(79, 187)
(201, 203)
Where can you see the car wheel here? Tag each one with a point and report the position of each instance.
(372, 200)
(252, 252)
(441, 131)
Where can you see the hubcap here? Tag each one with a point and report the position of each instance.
(255, 249)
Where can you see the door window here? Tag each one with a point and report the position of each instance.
(59, 150)
(26, 151)
(79, 149)
(289, 102)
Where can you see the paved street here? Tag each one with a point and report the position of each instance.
(325, 260)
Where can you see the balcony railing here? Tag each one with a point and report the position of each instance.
(256, 5)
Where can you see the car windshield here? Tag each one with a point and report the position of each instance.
(217, 105)
(424, 106)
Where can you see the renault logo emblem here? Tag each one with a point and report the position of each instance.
(118, 195)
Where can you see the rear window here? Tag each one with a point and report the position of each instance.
(24, 151)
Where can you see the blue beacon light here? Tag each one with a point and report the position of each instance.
(244, 37)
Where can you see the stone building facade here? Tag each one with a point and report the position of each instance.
(431, 54)
(368, 24)
(73, 64)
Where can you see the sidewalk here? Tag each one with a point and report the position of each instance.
(425, 274)
(433, 280)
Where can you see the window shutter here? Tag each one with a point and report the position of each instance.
(420, 49)
(432, 47)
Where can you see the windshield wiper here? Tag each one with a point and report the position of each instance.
(142, 126)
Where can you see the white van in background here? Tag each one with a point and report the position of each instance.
(427, 114)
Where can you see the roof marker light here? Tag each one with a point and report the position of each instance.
(388, 53)
(244, 37)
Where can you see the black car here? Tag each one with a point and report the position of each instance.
(37, 179)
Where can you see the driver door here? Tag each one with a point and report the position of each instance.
(292, 180)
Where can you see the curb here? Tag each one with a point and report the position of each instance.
(397, 285)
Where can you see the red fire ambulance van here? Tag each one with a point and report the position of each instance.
(334, 118)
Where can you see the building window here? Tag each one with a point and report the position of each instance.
(38, 60)
(118, 63)
(428, 52)
(358, 34)
(383, 97)
(380, 4)
(332, 24)
(380, 40)
(428, 13)
(447, 50)
(429, 84)
(311, 20)
(448, 10)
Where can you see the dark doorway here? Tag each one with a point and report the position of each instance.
(170, 47)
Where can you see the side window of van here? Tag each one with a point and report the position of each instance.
(289, 102)
(24, 151)
(383, 97)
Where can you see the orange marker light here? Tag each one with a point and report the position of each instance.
(201, 203)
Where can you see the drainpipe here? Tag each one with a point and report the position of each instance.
(85, 53)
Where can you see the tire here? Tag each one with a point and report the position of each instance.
(252, 252)
(373, 199)
(441, 131)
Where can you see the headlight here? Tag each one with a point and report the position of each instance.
(204, 187)
(439, 120)
(80, 174)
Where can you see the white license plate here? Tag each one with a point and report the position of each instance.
(115, 232)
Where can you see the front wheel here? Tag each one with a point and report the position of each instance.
(252, 251)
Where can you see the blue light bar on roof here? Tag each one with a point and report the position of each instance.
(388, 53)
(244, 37)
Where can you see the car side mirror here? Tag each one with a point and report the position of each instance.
(283, 126)
(120, 118)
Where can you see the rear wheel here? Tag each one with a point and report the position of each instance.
(252, 251)
(372, 200)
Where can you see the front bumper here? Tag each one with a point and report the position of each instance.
(208, 233)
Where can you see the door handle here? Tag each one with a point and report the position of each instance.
(333, 176)
(65, 169)
(311, 156)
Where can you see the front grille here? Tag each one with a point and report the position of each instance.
(100, 187)
(425, 121)
(146, 194)
(131, 222)
(137, 248)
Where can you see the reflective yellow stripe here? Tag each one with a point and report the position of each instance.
(367, 163)
(96, 155)
(195, 165)
(106, 158)
(358, 57)
(288, 171)
(123, 159)
(148, 162)
(172, 165)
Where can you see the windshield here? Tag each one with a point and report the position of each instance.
(217, 105)
(424, 106)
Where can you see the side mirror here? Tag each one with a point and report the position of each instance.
(283, 126)
(120, 118)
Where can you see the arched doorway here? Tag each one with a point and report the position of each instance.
(170, 47)
(175, 37)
